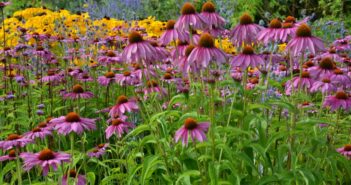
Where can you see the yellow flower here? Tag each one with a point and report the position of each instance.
(282, 47)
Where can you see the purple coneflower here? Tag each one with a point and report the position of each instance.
(107, 79)
(98, 150)
(195, 129)
(78, 93)
(14, 140)
(45, 159)
(247, 58)
(110, 57)
(304, 41)
(152, 86)
(325, 68)
(325, 86)
(72, 122)
(85, 78)
(206, 52)
(340, 78)
(340, 100)
(10, 156)
(51, 76)
(123, 104)
(211, 18)
(246, 32)
(332, 54)
(182, 63)
(189, 19)
(179, 50)
(271, 34)
(345, 151)
(37, 133)
(118, 127)
(138, 49)
(127, 78)
(305, 82)
(172, 35)
(78, 178)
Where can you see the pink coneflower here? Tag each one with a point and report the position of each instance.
(172, 35)
(182, 63)
(85, 78)
(118, 127)
(10, 156)
(345, 151)
(127, 78)
(325, 68)
(325, 86)
(37, 133)
(45, 159)
(161, 52)
(340, 100)
(247, 58)
(206, 52)
(189, 19)
(340, 78)
(3, 4)
(98, 150)
(304, 41)
(110, 57)
(123, 104)
(152, 86)
(195, 129)
(245, 32)
(288, 31)
(271, 34)
(211, 18)
(72, 122)
(78, 178)
(52, 76)
(78, 93)
(332, 54)
(138, 49)
(14, 140)
(305, 82)
(342, 45)
(179, 50)
(107, 79)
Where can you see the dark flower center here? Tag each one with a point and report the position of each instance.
(46, 155)
(135, 37)
(287, 25)
(36, 129)
(151, 83)
(95, 151)
(326, 80)
(303, 31)
(136, 66)
(72, 117)
(111, 54)
(12, 137)
(190, 123)
(12, 153)
(40, 48)
(290, 19)
(72, 173)
(341, 95)
(188, 9)
(282, 68)
(51, 72)
(254, 80)
(48, 119)
(181, 43)
(248, 50)
(78, 89)
(154, 44)
(309, 64)
(85, 76)
(347, 147)
(116, 122)
(338, 71)
(306, 103)
(170, 24)
(275, 23)
(122, 99)
(208, 7)
(42, 125)
(332, 50)
(305, 74)
(101, 145)
(326, 63)
(189, 49)
(109, 74)
(245, 19)
(126, 73)
(167, 76)
(206, 41)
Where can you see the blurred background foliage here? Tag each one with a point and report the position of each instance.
(321, 11)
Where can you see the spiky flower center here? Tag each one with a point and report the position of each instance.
(78, 89)
(170, 24)
(306, 103)
(36, 129)
(182, 43)
(116, 122)
(282, 68)
(254, 80)
(72, 173)
(290, 19)
(338, 71)
(95, 151)
(135, 37)
(51, 72)
(190, 123)
(326, 63)
(122, 99)
(341, 95)
(206, 41)
(12, 153)
(72, 117)
(303, 31)
(46, 155)
(305, 74)
(12, 137)
(326, 80)
(42, 125)
(287, 25)
(110, 54)
(208, 7)
(167, 76)
(332, 50)
(151, 83)
(109, 74)
(309, 64)
(189, 49)
(127, 73)
(188, 9)
(245, 19)
(248, 50)
(101, 145)
(347, 147)
(275, 23)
